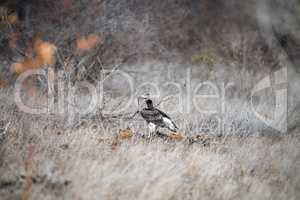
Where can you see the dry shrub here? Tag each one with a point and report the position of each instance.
(12, 18)
(35, 94)
(87, 42)
(45, 51)
(203, 138)
(44, 54)
(176, 136)
(115, 144)
(28, 179)
(67, 5)
(26, 64)
(101, 140)
(13, 39)
(7, 16)
(3, 13)
(205, 57)
(125, 134)
(2, 82)
(108, 141)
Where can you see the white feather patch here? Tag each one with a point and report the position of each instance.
(168, 123)
(151, 127)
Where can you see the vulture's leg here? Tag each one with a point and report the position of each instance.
(152, 129)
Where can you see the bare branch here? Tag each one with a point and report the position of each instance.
(163, 100)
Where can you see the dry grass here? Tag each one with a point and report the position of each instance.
(125, 134)
(27, 188)
(77, 164)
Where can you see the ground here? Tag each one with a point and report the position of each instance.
(85, 163)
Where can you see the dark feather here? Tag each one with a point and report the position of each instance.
(155, 116)
(152, 115)
(167, 116)
(163, 114)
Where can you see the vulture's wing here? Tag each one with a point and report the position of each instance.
(151, 115)
(167, 119)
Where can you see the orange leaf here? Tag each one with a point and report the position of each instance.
(125, 134)
(45, 51)
(12, 18)
(88, 42)
(176, 136)
(45, 54)
(26, 64)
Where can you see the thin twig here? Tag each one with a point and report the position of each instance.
(100, 62)
(137, 112)
(101, 65)
(6, 128)
(116, 67)
(123, 114)
(163, 100)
